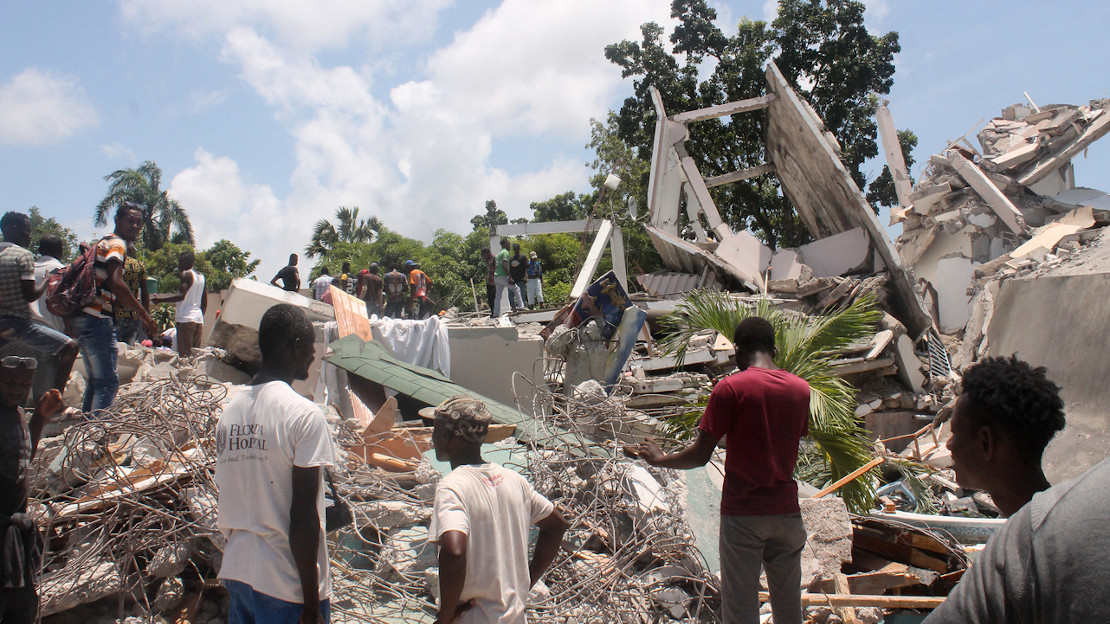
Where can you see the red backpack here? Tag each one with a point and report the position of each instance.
(73, 286)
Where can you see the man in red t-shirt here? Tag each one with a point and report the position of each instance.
(768, 411)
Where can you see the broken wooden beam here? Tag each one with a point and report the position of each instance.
(723, 110)
(740, 174)
(853, 600)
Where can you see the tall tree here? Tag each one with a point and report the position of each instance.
(348, 229)
(823, 50)
(41, 226)
(493, 217)
(164, 219)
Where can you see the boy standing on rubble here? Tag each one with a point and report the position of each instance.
(21, 546)
(192, 303)
(272, 446)
(481, 522)
(764, 412)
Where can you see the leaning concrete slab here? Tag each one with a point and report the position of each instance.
(824, 194)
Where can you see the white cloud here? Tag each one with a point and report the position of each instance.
(323, 24)
(202, 101)
(221, 204)
(528, 74)
(770, 10)
(38, 107)
(118, 151)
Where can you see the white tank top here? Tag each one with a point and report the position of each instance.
(188, 309)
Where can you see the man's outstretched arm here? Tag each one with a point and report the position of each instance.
(547, 544)
(696, 455)
(304, 539)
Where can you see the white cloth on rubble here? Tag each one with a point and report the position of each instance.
(422, 343)
(496, 508)
(263, 432)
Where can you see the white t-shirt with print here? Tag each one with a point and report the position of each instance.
(263, 432)
(496, 508)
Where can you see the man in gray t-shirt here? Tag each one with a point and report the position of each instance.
(1047, 564)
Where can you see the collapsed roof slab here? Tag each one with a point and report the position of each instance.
(824, 194)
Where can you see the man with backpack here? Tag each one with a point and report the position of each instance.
(18, 289)
(94, 324)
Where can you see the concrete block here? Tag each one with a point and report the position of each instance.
(387, 514)
(406, 552)
(170, 560)
(746, 253)
(954, 276)
(829, 543)
(66, 588)
(909, 365)
(170, 594)
(786, 265)
(837, 254)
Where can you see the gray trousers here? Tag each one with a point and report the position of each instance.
(773, 542)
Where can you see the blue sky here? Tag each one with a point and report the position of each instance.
(266, 115)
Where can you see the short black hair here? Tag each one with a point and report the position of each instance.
(324, 271)
(51, 245)
(281, 325)
(1017, 397)
(755, 333)
(293, 258)
(346, 267)
(128, 206)
(10, 220)
(505, 243)
(17, 347)
(187, 256)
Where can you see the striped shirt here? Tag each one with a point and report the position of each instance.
(110, 248)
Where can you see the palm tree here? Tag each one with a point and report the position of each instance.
(164, 219)
(350, 230)
(806, 347)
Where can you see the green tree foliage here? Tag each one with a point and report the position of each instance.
(806, 347)
(492, 217)
(566, 207)
(220, 263)
(348, 229)
(165, 220)
(823, 50)
(227, 262)
(41, 226)
(881, 191)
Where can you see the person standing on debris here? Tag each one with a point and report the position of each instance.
(192, 303)
(321, 284)
(50, 260)
(347, 279)
(21, 548)
(491, 284)
(764, 412)
(272, 448)
(1005, 416)
(518, 271)
(94, 326)
(535, 280)
(1047, 564)
(134, 275)
(503, 280)
(18, 289)
(396, 293)
(419, 284)
(481, 521)
(370, 289)
(289, 275)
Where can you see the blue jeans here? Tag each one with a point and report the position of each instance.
(97, 337)
(251, 607)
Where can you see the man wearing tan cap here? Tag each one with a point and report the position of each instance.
(483, 513)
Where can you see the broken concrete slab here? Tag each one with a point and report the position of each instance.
(986, 189)
(829, 542)
(838, 254)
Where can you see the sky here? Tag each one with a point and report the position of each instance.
(267, 115)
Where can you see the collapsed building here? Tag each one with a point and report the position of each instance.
(994, 240)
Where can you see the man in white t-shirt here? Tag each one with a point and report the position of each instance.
(321, 284)
(272, 448)
(483, 514)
